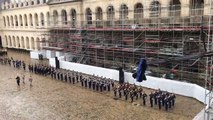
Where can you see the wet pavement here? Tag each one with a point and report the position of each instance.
(50, 99)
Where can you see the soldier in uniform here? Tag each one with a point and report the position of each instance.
(119, 92)
(132, 95)
(70, 78)
(126, 94)
(159, 101)
(65, 77)
(101, 87)
(151, 96)
(108, 86)
(166, 103)
(173, 99)
(155, 95)
(115, 91)
(73, 78)
(85, 82)
(90, 83)
(144, 98)
(93, 85)
(97, 86)
(82, 82)
(62, 76)
(18, 80)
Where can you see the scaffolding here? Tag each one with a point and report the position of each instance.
(120, 41)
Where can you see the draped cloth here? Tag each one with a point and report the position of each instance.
(141, 70)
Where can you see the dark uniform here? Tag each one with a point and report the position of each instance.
(144, 98)
(151, 96)
(18, 80)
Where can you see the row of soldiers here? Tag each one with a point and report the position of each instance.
(158, 97)
(88, 81)
(129, 90)
(97, 83)
(12, 62)
(40, 69)
(162, 98)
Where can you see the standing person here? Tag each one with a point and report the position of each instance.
(144, 98)
(23, 78)
(151, 95)
(31, 80)
(18, 80)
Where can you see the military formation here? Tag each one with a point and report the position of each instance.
(134, 93)
(12, 62)
(96, 83)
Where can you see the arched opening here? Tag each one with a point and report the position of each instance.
(99, 17)
(123, 13)
(64, 17)
(32, 2)
(25, 20)
(175, 8)
(27, 43)
(155, 9)
(42, 19)
(55, 17)
(18, 42)
(138, 13)
(10, 42)
(4, 21)
(22, 42)
(44, 1)
(21, 21)
(48, 18)
(32, 43)
(12, 21)
(31, 20)
(110, 15)
(6, 41)
(196, 7)
(14, 42)
(8, 21)
(16, 20)
(73, 18)
(89, 16)
(37, 43)
(36, 19)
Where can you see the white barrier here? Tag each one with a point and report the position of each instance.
(35, 54)
(177, 87)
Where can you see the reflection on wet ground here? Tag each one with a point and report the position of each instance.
(55, 100)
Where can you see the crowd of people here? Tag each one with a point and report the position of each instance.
(157, 97)
(95, 83)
